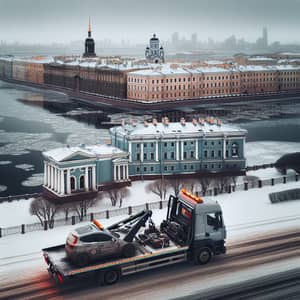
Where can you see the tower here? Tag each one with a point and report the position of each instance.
(265, 37)
(89, 49)
(153, 52)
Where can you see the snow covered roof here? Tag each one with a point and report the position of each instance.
(35, 60)
(176, 128)
(94, 151)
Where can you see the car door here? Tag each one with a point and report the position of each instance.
(108, 244)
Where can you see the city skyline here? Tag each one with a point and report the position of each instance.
(33, 21)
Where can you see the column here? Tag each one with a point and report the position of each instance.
(55, 179)
(129, 150)
(224, 148)
(127, 173)
(196, 149)
(94, 178)
(58, 181)
(62, 182)
(124, 172)
(48, 176)
(86, 179)
(45, 173)
(182, 150)
(177, 150)
(52, 178)
(115, 172)
(142, 151)
(68, 182)
(156, 150)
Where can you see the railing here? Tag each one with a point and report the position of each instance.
(22, 229)
(19, 197)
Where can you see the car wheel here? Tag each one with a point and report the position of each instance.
(111, 276)
(203, 256)
(82, 260)
(128, 250)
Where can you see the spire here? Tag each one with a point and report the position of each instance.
(89, 29)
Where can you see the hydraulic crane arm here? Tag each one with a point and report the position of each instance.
(134, 223)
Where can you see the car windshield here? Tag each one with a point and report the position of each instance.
(84, 229)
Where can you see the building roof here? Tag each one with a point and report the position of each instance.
(176, 129)
(94, 151)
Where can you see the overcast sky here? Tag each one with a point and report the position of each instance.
(48, 21)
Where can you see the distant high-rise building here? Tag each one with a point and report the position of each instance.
(89, 49)
(265, 37)
(194, 38)
(154, 52)
(175, 39)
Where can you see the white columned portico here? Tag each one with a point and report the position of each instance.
(68, 182)
(142, 151)
(86, 179)
(94, 178)
(196, 149)
(129, 150)
(62, 182)
(177, 150)
(156, 150)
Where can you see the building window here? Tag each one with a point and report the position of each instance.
(192, 154)
(138, 169)
(138, 156)
(205, 153)
(152, 145)
(212, 143)
(212, 166)
(145, 169)
(165, 168)
(172, 144)
(205, 166)
(166, 144)
(184, 155)
(165, 155)
(145, 145)
(234, 150)
(172, 155)
(219, 153)
(151, 169)
(212, 153)
(152, 155)
(138, 145)
(184, 143)
(145, 156)
(172, 168)
(205, 143)
(226, 153)
(184, 167)
(192, 167)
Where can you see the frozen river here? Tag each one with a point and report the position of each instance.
(29, 125)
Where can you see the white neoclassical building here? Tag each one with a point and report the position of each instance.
(72, 170)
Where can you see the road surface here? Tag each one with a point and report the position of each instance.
(25, 277)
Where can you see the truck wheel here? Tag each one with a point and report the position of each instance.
(111, 276)
(128, 250)
(203, 256)
(82, 260)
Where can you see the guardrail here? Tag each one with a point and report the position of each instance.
(106, 214)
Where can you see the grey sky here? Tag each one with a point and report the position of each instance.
(135, 20)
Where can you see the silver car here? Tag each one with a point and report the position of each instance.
(91, 242)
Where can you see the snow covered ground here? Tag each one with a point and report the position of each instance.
(245, 213)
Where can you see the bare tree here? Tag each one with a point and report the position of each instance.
(81, 207)
(44, 210)
(158, 187)
(222, 182)
(234, 181)
(176, 184)
(117, 195)
(205, 182)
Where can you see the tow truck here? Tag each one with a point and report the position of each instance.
(192, 231)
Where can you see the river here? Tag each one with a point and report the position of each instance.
(32, 121)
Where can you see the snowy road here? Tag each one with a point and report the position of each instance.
(25, 276)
